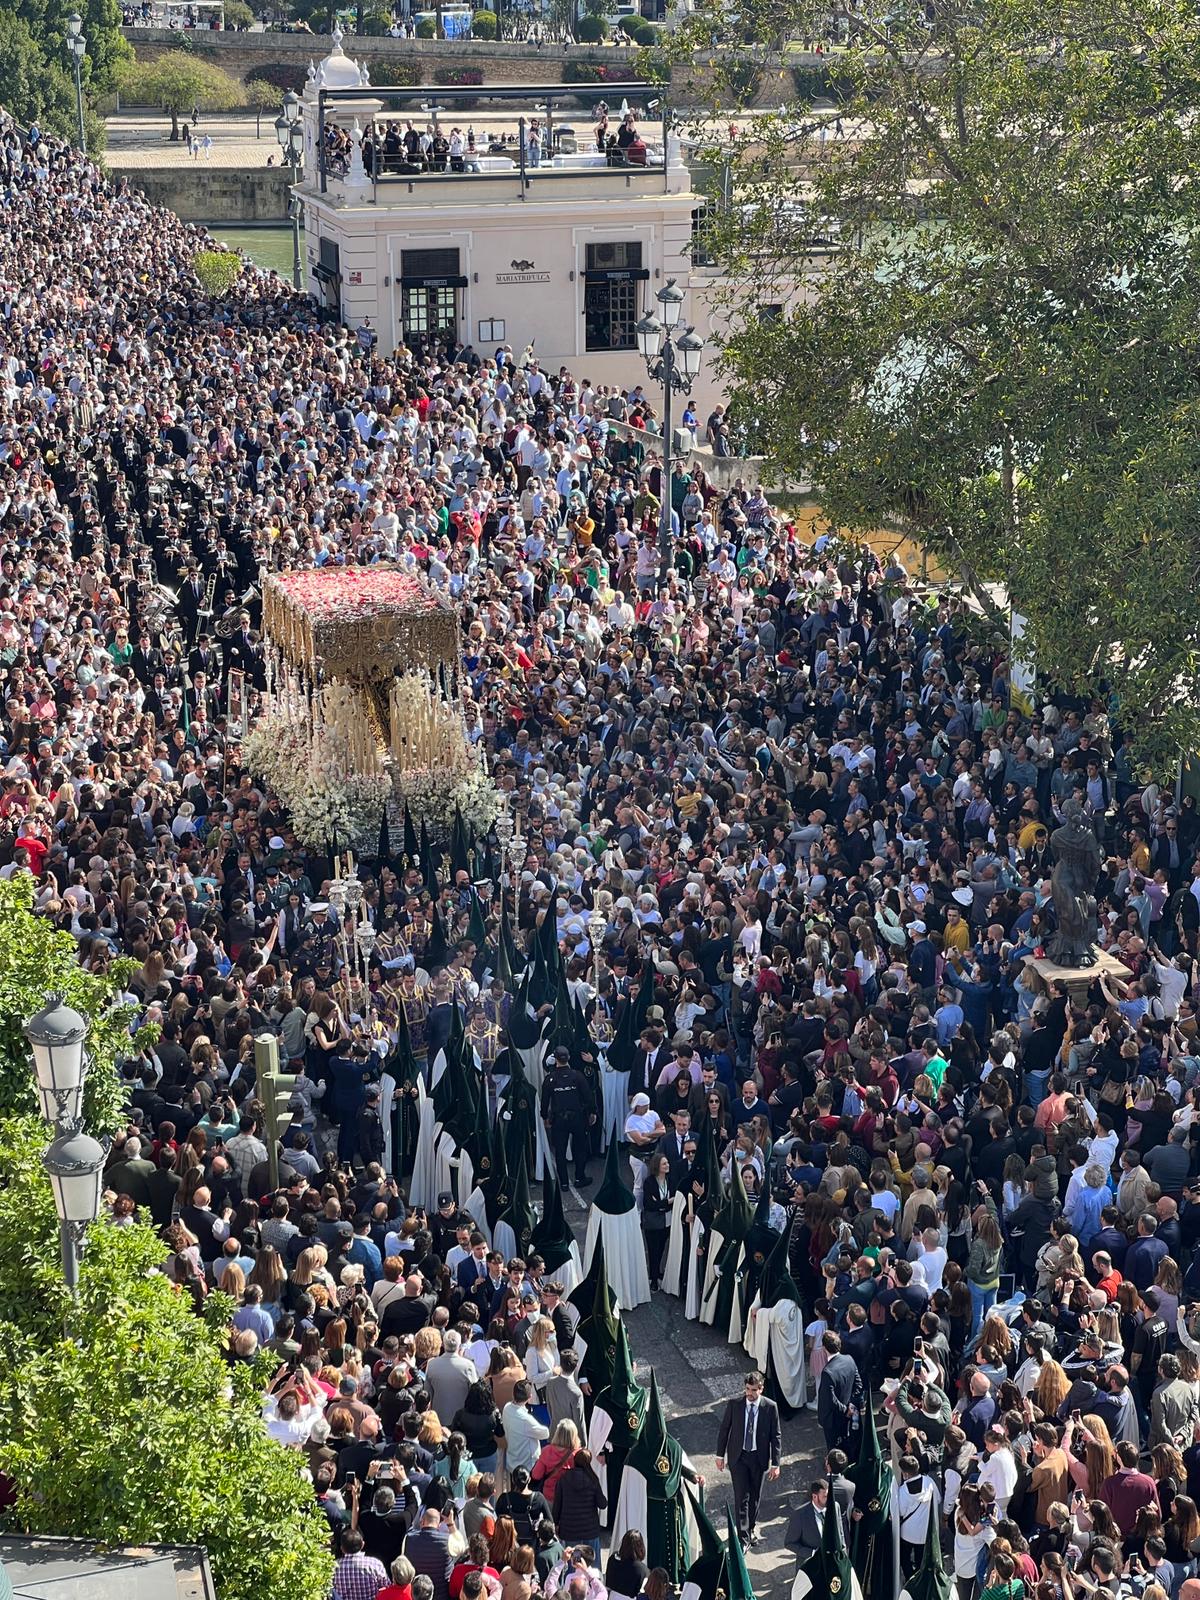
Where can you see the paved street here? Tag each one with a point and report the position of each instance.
(697, 1371)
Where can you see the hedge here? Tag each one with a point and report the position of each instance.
(585, 72)
(588, 30)
(403, 74)
(483, 25)
(825, 83)
(426, 28)
(283, 75)
(458, 77)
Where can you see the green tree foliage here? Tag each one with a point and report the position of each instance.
(31, 87)
(483, 25)
(1001, 352)
(177, 82)
(262, 96)
(37, 960)
(133, 1430)
(47, 24)
(217, 270)
(238, 14)
(589, 30)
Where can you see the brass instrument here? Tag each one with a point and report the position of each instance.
(206, 610)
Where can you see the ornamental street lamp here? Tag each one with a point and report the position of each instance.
(77, 45)
(672, 359)
(74, 1160)
(504, 834)
(289, 130)
(75, 1163)
(56, 1036)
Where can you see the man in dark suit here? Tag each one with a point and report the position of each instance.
(806, 1526)
(750, 1439)
(840, 1396)
(841, 1488)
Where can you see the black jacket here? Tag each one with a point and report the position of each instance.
(578, 1502)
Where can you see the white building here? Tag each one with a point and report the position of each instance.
(565, 254)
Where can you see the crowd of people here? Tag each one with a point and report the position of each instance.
(817, 823)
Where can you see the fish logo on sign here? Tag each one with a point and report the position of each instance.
(521, 266)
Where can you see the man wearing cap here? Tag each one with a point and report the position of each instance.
(566, 1106)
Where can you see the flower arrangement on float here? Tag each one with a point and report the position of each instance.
(313, 771)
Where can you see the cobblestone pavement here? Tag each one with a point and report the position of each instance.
(697, 1372)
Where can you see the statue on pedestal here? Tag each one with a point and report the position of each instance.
(1077, 863)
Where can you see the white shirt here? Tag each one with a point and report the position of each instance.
(915, 1503)
(1000, 1470)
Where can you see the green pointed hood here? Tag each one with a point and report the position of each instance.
(659, 1459)
(707, 1571)
(384, 848)
(428, 868)
(518, 1211)
(520, 1113)
(614, 1197)
(598, 1330)
(401, 1063)
(656, 1454)
(583, 1295)
(479, 1143)
(459, 859)
(776, 1283)
(708, 1160)
(625, 1399)
(524, 1029)
(412, 850)
(873, 1482)
(476, 926)
(739, 1586)
(931, 1581)
(735, 1216)
(760, 1237)
(624, 1040)
(437, 952)
(829, 1568)
(552, 1238)
(494, 1186)
(457, 1091)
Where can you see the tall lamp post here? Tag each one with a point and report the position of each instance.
(77, 45)
(74, 1160)
(289, 130)
(672, 359)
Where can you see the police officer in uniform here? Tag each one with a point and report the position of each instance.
(567, 1112)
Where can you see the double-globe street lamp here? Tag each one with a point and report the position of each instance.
(672, 359)
(289, 130)
(74, 1161)
(77, 45)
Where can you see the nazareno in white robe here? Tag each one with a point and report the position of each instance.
(624, 1253)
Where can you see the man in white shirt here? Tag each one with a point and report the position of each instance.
(914, 1503)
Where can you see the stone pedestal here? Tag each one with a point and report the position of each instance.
(1078, 980)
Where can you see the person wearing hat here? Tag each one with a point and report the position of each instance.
(643, 1129)
(444, 1225)
(568, 1112)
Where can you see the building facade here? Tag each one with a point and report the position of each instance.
(529, 236)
